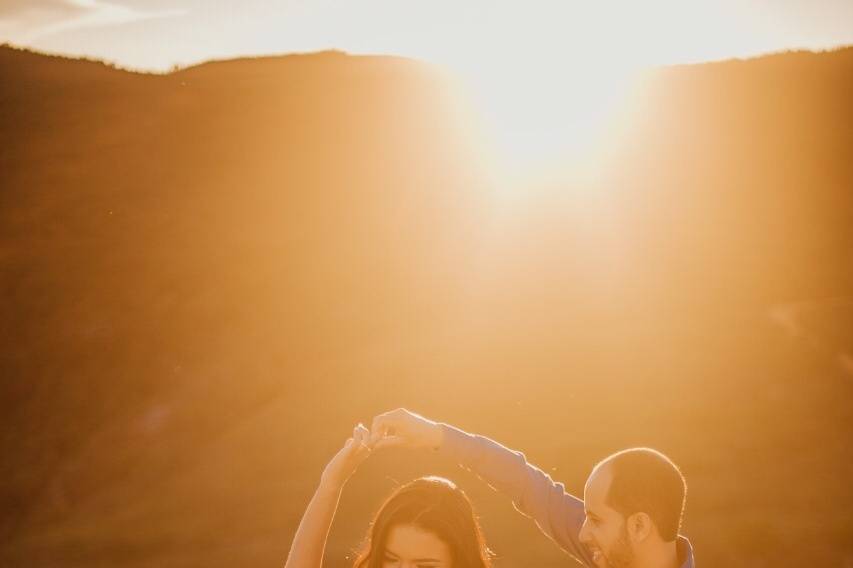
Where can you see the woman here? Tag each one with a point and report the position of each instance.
(427, 523)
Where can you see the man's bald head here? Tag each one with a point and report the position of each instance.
(643, 480)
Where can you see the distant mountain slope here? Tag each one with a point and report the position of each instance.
(208, 276)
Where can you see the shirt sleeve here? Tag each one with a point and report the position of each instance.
(557, 513)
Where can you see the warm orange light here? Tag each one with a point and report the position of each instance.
(542, 120)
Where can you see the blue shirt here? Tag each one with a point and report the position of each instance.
(557, 513)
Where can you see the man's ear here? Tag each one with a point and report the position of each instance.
(639, 527)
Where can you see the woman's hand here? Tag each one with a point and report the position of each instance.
(348, 458)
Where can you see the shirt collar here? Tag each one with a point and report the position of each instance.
(685, 552)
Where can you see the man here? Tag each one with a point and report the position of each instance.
(633, 500)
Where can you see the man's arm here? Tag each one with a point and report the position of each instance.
(557, 513)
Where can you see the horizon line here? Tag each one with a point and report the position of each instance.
(176, 68)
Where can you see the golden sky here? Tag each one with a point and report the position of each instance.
(155, 34)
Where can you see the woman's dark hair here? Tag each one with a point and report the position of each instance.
(435, 505)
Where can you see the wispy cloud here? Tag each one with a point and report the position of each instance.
(27, 20)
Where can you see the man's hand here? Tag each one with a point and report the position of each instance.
(348, 458)
(401, 428)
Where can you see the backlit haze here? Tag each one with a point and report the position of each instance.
(571, 227)
(520, 62)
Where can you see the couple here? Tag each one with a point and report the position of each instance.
(629, 517)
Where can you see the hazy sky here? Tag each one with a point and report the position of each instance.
(155, 34)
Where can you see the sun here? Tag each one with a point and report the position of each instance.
(548, 117)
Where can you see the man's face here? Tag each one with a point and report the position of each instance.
(604, 530)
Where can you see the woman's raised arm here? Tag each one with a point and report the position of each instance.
(309, 543)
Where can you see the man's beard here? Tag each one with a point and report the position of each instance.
(621, 555)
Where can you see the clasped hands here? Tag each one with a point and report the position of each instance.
(397, 428)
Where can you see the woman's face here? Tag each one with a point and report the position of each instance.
(408, 546)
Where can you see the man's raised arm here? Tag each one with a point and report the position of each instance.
(557, 513)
